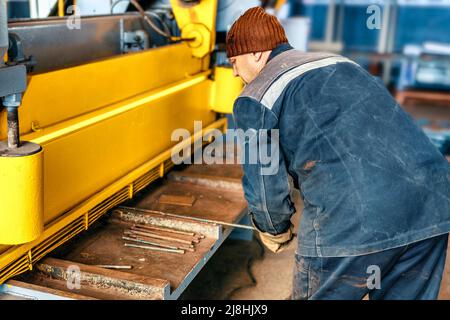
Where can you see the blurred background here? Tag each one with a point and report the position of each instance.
(405, 42)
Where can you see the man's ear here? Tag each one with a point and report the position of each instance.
(257, 56)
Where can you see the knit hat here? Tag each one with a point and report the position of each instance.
(254, 31)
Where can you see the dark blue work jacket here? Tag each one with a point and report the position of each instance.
(370, 179)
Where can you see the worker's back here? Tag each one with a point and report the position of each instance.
(370, 178)
(377, 175)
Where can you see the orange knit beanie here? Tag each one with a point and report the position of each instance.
(254, 31)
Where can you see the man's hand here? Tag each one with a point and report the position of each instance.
(276, 243)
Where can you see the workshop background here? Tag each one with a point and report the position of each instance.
(99, 91)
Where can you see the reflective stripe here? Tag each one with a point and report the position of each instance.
(276, 67)
(277, 87)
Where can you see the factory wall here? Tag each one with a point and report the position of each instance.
(417, 22)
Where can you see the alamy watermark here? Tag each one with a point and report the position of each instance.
(250, 147)
(374, 280)
(73, 277)
(374, 19)
(73, 21)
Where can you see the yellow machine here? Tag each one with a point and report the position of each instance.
(103, 132)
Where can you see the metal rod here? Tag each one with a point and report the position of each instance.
(157, 231)
(153, 248)
(188, 218)
(157, 236)
(176, 231)
(149, 242)
(107, 266)
(168, 242)
(132, 233)
(61, 8)
(331, 16)
(139, 240)
(165, 229)
(13, 128)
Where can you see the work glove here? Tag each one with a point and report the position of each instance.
(276, 243)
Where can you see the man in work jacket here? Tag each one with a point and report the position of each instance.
(376, 191)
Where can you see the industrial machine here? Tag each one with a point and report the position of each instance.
(89, 126)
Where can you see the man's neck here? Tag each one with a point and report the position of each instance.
(279, 49)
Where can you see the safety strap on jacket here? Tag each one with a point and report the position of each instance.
(281, 70)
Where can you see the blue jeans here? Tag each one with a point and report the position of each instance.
(406, 273)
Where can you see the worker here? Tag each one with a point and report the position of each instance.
(376, 191)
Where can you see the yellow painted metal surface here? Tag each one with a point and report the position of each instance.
(226, 88)
(279, 4)
(197, 21)
(105, 128)
(109, 117)
(113, 139)
(17, 259)
(111, 147)
(61, 8)
(54, 97)
(21, 198)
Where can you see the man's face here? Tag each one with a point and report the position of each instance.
(248, 66)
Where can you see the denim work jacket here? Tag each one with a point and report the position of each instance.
(370, 179)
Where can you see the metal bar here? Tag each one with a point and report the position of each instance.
(13, 128)
(158, 231)
(390, 41)
(340, 21)
(61, 8)
(140, 240)
(164, 229)
(331, 15)
(107, 266)
(146, 238)
(170, 244)
(188, 218)
(153, 248)
(157, 236)
(385, 25)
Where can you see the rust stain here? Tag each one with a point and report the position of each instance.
(193, 15)
(310, 165)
